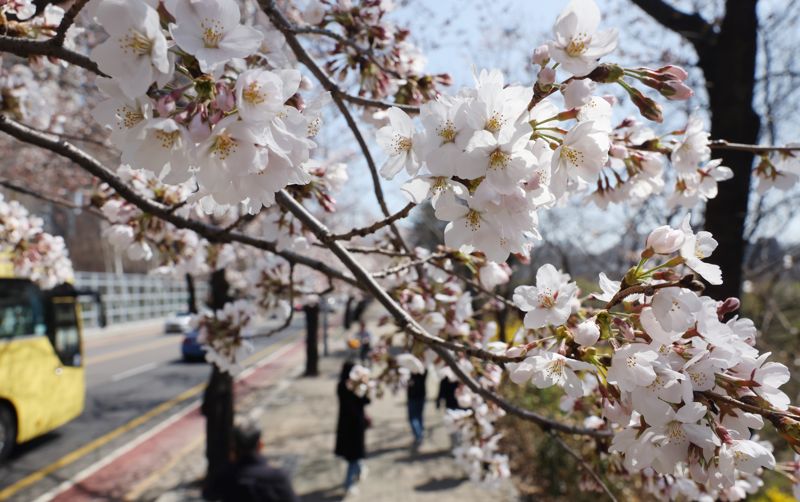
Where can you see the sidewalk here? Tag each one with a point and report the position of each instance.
(298, 417)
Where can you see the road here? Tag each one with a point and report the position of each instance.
(134, 379)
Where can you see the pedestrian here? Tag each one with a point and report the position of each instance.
(249, 478)
(416, 407)
(351, 429)
(365, 339)
(447, 397)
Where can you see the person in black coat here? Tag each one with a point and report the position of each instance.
(447, 395)
(249, 477)
(416, 406)
(351, 427)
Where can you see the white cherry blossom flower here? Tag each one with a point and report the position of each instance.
(675, 308)
(692, 149)
(548, 369)
(743, 455)
(135, 54)
(411, 363)
(261, 94)
(161, 147)
(447, 133)
(124, 117)
(505, 159)
(578, 45)
(695, 248)
(550, 301)
(493, 274)
(397, 140)
(495, 225)
(633, 365)
(582, 155)
(497, 107)
(211, 31)
(768, 377)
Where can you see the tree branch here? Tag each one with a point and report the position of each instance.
(210, 232)
(288, 30)
(67, 21)
(692, 27)
(405, 322)
(24, 47)
(365, 231)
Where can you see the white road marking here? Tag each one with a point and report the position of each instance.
(134, 371)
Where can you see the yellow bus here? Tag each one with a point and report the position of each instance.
(41, 365)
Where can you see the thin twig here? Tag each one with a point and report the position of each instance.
(365, 231)
(288, 30)
(584, 464)
(721, 144)
(407, 265)
(67, 21)
(367, 52)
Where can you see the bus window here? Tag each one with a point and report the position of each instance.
(21, 309)
(65, 336)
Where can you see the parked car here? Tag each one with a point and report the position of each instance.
(178, 323)
(191, 349)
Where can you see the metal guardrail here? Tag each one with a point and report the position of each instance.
(135, 297)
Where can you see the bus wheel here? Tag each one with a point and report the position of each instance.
(8, 431)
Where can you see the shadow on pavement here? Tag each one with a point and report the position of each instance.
(324, 495)
(436, 485)
(422, 457)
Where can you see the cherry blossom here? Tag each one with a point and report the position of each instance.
(578, 45)
(135, 54)
(549, 302)
(211, 31)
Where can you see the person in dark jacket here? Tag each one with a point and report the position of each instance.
(416, 406)
(351, 428)
(249, 477)
(447, 396)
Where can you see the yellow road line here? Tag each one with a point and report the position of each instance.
(133, 350)
(89, 447)
(148, 481)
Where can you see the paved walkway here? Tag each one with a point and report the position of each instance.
(298, 416)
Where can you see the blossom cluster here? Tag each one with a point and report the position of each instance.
(675, 376)
(32, 252)
(204, 100)
(378, 55)
(224, 333)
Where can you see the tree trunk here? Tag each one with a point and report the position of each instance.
(192, 299)
(729, 67)
(312, 339)
(217, 403)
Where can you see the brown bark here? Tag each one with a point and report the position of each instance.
(727, 57)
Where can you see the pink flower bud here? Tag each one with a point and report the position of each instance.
(618, 151)
(729, 306)
(674, 71)
(165, 105)
(199, 130)
(675, 90)
(547, 76)
(665, 240)
(611, 100)
(541, 55)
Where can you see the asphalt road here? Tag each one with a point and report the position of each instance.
(128, 374)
